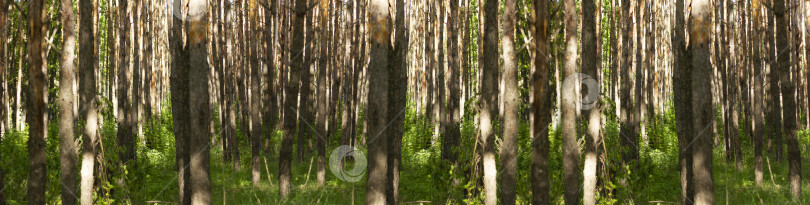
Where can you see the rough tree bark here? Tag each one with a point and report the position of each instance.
(540, 101)
(682, 83)
(590, 66)
(180, 99)
(570, 146)
(67, 79)
(255, 97)
(37, 105)
(199, 110)
(702, 111)
(489, 100)
(377, 111)
(290, 99)
(397, 99)
(87, 90)
(788, 95)
(510, 132)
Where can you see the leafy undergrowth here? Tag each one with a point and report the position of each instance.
(424, 179)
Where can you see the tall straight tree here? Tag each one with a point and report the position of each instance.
(702, 112)
(198, 107)
(377, 112)
(4, 70)
(255, 96)
(180, 97)
(320, 135)
(758, 124)
(290, 99)
(510, 132)
(774, 100)
(397, 99)
(489, 100)
(788, 95)
(590, 63)
(540, 107)
(125, 138)
(87, 90)
(570, 146)
(683, 104)
(37, 105)
(67, 79)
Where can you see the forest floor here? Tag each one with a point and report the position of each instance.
(423, 181)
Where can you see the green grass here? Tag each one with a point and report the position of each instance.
(423, 179)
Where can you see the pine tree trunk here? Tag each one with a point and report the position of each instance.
(788, 94)
(37, 106)
(377, 111)
(198, 98)
(321, 138)
(702, 110)
(682, 83)
(255, 99)
(67, 79)
(510, 94)
(291, 92)
(180, 99)
(87, 90)
(125, 139)
(758, 118)
(489, 100)
(540, 106)
(774, 113)
(397, 99)
(590, 62)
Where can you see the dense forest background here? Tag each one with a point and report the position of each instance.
(404, 102)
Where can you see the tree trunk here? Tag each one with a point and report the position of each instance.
(290, 99)
(67, 79)
(570, 147)
(125, 139)
(702, 110)
(590, 66)
(255, 99)
(198, 98)
(37, 106)
(788, 94)
(88, 90)
(377, 111)
(540, 106)
(489, 100)
(682, 83)
(321, 138)
(774, 113)
(180, 99)
(397, 99)
(510, 132)
(758, 118)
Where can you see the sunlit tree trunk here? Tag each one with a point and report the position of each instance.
(377, 111)
(67, 148)
(510, 132)
(590, 65)
(87, 90)
(489, 100)
(37, 105)
(702, 111)
(540, 101)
